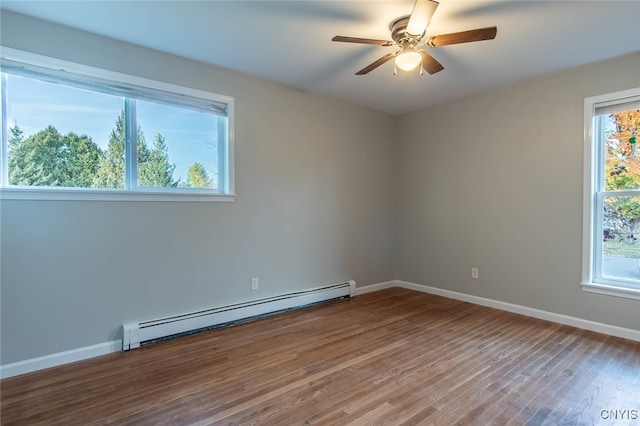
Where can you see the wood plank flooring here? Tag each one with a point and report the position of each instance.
(391, 357)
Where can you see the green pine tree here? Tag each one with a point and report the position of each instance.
(111, 169)
(48, 158)
(111, 165)
(38, 160)
(197, 177)
(16, 136)
(156, 170)
(83, 156)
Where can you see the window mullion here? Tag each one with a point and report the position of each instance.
(626, 193)
(131, 144)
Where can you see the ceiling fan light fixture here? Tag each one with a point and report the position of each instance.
(408, 60)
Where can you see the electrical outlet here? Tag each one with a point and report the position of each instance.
(474, 273)
(254, 284)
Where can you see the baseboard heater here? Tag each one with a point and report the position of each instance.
(140, 333)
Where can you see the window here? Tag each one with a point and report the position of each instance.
(611, 252)
(76, 132)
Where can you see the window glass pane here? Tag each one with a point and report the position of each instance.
(178, 147)
(61, 136)
(621, 238)
(66, 130)
(622, 153)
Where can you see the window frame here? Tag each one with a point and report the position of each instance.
(593, 199)
(130, 192)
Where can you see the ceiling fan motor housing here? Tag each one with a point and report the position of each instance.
(399, 32)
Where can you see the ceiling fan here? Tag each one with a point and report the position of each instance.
(408, 33)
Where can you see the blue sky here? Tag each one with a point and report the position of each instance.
(190, 136)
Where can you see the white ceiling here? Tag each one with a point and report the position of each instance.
(290, 41)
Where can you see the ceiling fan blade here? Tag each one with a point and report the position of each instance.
(430, 64)
(488, 33)
(376, 64)
(363, 40)
(422, 12)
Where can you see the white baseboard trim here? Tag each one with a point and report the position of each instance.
(612, 330)
(60, 358)
(375, 287)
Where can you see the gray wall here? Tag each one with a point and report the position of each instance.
(315, 206)
(495, 182)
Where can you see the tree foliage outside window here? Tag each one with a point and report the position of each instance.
(48, 158)
(197, 176)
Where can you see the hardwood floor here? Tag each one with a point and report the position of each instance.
(391, 357)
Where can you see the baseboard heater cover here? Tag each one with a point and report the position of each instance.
(137, 334)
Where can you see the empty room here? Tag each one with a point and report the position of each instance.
(320, 212)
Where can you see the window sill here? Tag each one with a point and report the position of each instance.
(65, 194)
(612, 290)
